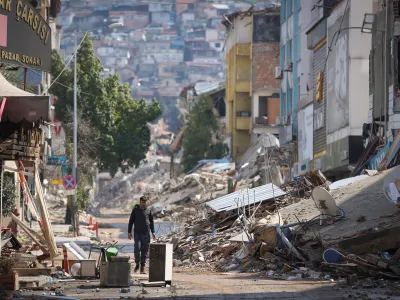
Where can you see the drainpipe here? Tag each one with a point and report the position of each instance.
(385, 90)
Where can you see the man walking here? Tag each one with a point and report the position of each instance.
(142, 219)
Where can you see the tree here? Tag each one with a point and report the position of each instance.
(119, 121)
(198, 136)
(9, 198)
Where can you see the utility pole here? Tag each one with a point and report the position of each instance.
(385, 63)
(75, 139)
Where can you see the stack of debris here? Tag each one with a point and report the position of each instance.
(257, 230)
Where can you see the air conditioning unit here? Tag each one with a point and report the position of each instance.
(278, 73)
(288, 66)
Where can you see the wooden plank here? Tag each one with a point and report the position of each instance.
(26, 257)
(38, 280)
(6, 168)
(48, 230)
(14, 157)
(24, 148)
(28, 232)
(31, 203)
(20, 153)
(34, 271)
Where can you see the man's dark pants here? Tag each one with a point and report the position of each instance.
(142, 241)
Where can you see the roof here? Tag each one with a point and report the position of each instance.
(9, 90)
(220, 6)
(245, 197)
(227, 22)
(202, 64)
(23, 105)
(206, 87)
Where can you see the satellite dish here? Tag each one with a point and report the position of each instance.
(391, 185)
(324, 202)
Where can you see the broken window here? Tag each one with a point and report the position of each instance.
(263, 107)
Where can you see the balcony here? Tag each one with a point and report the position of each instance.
(261, 121)
(243, 123)
(243, 120)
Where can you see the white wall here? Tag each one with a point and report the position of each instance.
(188, 16)
(211, 35)
(359, 50)
(305, 69)
(241, 33)
(358, 74)
(159, 18)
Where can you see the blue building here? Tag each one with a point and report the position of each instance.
(290, 58)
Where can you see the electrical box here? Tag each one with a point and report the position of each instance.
(115, 274)
(88, 268)
(160, 268)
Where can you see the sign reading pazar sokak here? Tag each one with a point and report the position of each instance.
(25, 37)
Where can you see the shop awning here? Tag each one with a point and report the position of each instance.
(22, 105)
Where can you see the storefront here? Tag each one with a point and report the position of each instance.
(25, 43)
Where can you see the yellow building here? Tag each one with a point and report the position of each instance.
(238, 84)
(252, 88)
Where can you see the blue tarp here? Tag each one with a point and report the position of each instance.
(207, 161)
(178, 44)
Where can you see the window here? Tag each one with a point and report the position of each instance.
(299, 37)
(217, 45)
(284, 104)
(283, 10)
(191, 6)
(263, 108)
(288, 51)
(299, 89)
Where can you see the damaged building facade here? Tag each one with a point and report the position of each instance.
(324, 79)
(384, 108)
(252, 92)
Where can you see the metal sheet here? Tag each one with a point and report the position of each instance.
(346, 182)
(245, 197)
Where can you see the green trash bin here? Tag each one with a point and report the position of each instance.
(112, 251)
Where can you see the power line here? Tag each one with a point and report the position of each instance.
(65, 67)
(337, 37)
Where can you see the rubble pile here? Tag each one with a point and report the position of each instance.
(264, 239)
(126, 187)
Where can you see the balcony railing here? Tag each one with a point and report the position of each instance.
(261, 121)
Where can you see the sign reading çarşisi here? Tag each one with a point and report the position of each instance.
(25, 37)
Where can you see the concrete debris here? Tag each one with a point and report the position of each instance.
(265, 239)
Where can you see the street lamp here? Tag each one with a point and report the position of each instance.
(75, 131)
(368, 23)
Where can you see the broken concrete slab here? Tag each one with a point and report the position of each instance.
(372, 242)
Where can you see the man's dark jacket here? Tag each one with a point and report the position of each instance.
(142, 219)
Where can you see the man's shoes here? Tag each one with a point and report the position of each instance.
(142, 269)
(136, 268)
